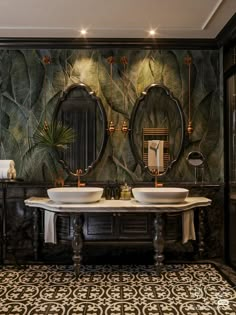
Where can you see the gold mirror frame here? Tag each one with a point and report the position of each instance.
(80, 109)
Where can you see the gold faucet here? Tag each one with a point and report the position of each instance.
(78, 173)
(59, 180)
(155, 171)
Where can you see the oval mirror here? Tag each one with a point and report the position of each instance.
(195, 158)
(157, 129)
(80, 109)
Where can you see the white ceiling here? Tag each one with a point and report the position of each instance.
(114, 18)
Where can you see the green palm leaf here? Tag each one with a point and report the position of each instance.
(54, 136)
(48, 141)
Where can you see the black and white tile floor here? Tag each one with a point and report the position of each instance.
(186, 289)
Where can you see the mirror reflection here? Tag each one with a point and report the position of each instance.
(157, 129)
(80, 109)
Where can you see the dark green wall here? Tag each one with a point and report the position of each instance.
(30, 89)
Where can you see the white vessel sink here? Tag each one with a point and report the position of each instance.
(75, 194)
(160, 194)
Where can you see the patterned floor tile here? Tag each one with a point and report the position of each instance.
(181, 289)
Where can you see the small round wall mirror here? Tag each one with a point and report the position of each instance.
(196, 159)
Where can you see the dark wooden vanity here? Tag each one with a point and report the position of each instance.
(104, 234)
(76, 212)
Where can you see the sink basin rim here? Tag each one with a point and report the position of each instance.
(158, 195)
(75, 194)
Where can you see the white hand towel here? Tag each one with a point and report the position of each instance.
(7, 164)
(188, 229)
(50, 227)
(155, 155)
(5, 173)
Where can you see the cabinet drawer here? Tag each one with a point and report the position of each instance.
(117, 226)
(99, 226)
(135, 226)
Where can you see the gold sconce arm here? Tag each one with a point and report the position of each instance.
(111, 127)
(124, 128)
(188, 62)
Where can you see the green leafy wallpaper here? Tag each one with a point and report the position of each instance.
(32, 81)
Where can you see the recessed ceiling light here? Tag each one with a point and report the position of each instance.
(152, 32)
(83, 32)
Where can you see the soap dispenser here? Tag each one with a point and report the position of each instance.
(125, 192)
(108, 191)
(116, 191)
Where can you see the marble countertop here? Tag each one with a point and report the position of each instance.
(117, 205)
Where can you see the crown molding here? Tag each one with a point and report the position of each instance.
(226, 37)
(82, 43)
(211, 14)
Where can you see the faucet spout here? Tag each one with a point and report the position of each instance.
(156, 173)
(78, 173)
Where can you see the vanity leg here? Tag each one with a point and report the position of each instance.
(77, 242)
(201, 232)
(35, 233)
(158, 242)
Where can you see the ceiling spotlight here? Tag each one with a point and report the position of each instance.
(152, 32)
(83, 32)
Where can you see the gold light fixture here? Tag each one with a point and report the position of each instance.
(124, 61)
(124, 128)
(47, 60)
(111, 126)
(188, 62)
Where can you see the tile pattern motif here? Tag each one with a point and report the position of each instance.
(113, 290)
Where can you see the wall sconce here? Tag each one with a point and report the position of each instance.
(124, 128)
(47, 60)
(188, 61)
(111, 127)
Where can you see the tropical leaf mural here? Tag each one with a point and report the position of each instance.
(32, 81)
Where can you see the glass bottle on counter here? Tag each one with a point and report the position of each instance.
(125, 192)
